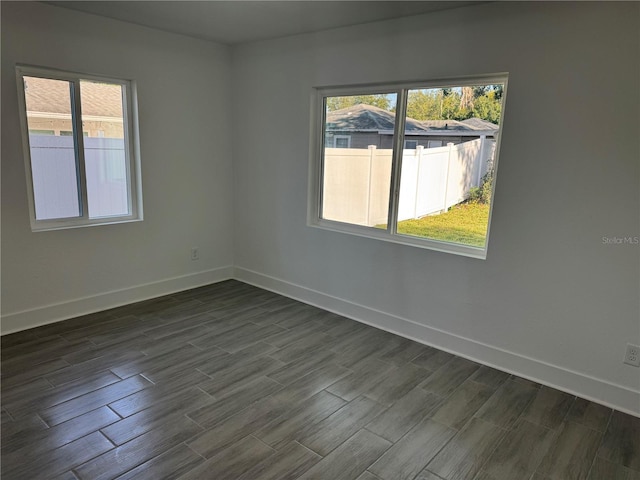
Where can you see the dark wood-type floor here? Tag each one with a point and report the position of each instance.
(232, 382)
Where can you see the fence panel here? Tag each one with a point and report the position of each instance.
(53, 172)
(357, 181)
(55, 183)
(464, 165)
(431, 185)
(411, 163)
(106, 169)
(379, 186)
(346, 185)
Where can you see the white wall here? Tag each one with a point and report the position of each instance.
(551, 302)
(183, 88)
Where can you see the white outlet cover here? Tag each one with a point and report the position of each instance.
(632, 355)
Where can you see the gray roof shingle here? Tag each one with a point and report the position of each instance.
(363, 117)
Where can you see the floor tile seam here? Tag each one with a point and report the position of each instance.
(426, 467)
(116, 446)
(29, 379)
(595, 456)
(72, 468)
(440, 477)
(218, 422)
(524, 409)
(552, 442)
(273, 450)
(564, 417)
(74, 439)
(176, 414)
(410, 361)
(332, 413)
(503, 434)
(416, 426)
(376, 477)
(167, 337)
(510, 427)
(197, 369)
(496, 387)
(164, 321)
(92, 392)
(380, 435)
(557, 433)
(39, 408)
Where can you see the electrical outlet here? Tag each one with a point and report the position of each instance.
(195, 254)
(632, 357)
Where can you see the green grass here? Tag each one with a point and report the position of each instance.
(465, 223)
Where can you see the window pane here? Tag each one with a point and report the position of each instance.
(357, 156)
(446, 182)
(53, 159)
(104, 149)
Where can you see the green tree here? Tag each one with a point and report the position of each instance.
(449, 105)
(456, 103)
(336, 103)
(488, 107)
(423, 105)
(498, 90)
(479, 90)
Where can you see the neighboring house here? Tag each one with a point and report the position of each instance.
(49, 108)
(362, 125)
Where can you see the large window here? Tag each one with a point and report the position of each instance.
(80, 147)
(420, 165)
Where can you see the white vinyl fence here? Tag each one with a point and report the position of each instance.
(356, 181)
(53, 169)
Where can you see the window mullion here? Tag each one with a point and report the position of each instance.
(78, 140)
(396, 163)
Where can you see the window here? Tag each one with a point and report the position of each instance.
(436, 198)
(342, 141)
(89, 172)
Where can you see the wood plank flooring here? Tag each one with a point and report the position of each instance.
(230, 381)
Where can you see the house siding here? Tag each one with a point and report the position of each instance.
(364, 139)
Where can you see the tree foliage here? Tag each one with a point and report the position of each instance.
(336, 103)
(482, 101)
(456, 104)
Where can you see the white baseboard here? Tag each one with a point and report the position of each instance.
(601, 391)
(598, 390)
(35, 317)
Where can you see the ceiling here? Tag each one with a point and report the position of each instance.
(238, 21)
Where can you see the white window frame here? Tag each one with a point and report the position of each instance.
(316, 151)
(341, 137)
(132, 149)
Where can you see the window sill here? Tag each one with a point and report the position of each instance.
(378, 234)
(45, 226)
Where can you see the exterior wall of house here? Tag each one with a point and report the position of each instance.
(57, 126)
(358, 139)
(364, 139)
(424, 141)
(553, 301)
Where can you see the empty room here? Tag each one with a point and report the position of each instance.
(360, 240)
